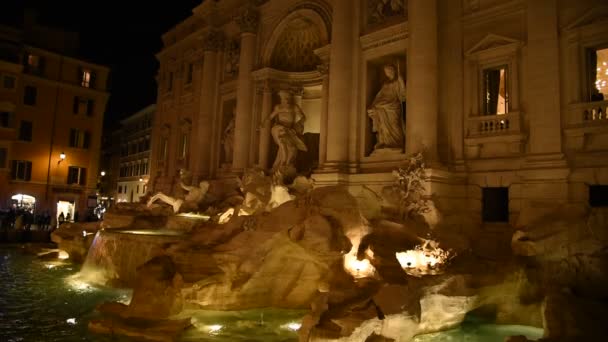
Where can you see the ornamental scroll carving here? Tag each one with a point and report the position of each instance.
(213, 40)
(248, 19)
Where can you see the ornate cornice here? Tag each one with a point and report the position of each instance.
(213, 40)
(248, 19)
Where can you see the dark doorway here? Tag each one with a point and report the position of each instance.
(495, 204)
(598, 195)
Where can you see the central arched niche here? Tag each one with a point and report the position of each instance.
(294, 50)
(292, 43)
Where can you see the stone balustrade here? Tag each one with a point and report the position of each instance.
(494, 124)
(595, 111)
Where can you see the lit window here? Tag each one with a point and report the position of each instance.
(35, 64)
(183, 148)
(77, 175)
(599, 74)
(85, 78)
(496, 97)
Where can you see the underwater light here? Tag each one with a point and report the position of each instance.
(424, 259)
(71, 320)
(214, 329)
(63, 255)
(293, 326)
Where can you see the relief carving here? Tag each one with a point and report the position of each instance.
(380, 10)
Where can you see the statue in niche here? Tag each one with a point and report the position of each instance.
(286, 132)
(386, 112)
(228, 138)
(192, 200)
(231, 67)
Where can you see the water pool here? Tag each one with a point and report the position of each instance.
(42, 301)
(471, 332)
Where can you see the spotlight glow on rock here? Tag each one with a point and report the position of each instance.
(425, 259)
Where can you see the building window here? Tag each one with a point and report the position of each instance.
(147, 144)
(495, 203)
(163, 148)
(3, 156)
(495, 95)
(25, 131)
(21, 170)
(77, 175)
(170, 82)
(6, 119)
(86, 78)
(183, 146)
(137, 191)
(599, 74)
(35, 64)
(190, 73)
(9, 82)
(29, 95)
(79, 138)
(83, 106)
(598, 195)
(120, 189)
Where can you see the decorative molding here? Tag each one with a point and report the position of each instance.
(597, 14)
(379, 11)
(248, 19)
(213, 40)
(301, 78)
(492, 41)
(384, 36)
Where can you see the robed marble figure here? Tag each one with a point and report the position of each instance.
(387, 114)
(286, 131)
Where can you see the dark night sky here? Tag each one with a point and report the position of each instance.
(123, 35)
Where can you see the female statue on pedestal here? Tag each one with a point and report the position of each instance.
(386, 112)
(228, 139)
(286, 131)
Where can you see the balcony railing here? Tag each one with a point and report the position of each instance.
(487, 125)
(588, 113)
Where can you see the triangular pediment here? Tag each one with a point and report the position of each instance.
(592, 16)
(491, 41)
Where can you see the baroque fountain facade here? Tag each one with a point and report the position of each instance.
(288, 174)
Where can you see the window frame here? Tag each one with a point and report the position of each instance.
(27, 95)
(26, 137)
(81, 175)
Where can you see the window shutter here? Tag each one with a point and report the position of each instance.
(13, 169)
(75, 106)
(28, 170)
(83, 176)
(79, 76)
(92, 80)
(87, 140)
(72, 142)
(41, 65)
(90, 104)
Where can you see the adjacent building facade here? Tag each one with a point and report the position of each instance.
(51, 113)
(134, 161)
(506, 99)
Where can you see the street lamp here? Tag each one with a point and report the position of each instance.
(61, 157)
(103, 173)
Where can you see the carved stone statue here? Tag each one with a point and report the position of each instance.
(228, 138)
(386, 112)
(286, 131)
(192, 200)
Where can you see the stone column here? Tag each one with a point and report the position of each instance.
(324, 70)
(543, 87)
(248, 23)
(265, 130)
(343, 41)
(212, 42)
(422, 79)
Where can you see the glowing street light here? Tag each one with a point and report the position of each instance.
(61, 157)
(103, 173)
